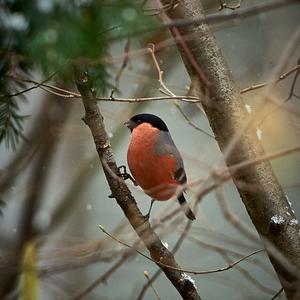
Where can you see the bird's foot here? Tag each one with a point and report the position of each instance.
(122, 172)
(147, 216)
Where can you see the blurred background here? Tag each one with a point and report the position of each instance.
(52, 190)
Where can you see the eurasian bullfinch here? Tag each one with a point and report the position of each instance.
(154, 161)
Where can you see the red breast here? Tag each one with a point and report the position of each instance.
(154, 173)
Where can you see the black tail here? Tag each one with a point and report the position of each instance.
(188, 212)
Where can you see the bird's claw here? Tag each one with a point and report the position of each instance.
(122, 172)
(147, 217)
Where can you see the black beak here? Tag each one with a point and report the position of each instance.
(130, 124)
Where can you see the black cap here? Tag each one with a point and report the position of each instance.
(154, 120)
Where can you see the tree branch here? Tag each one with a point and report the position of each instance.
(58, 91)
(226, 113)
(222, 269)
(122, 194)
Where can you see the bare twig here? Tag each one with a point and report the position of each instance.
(281, 78)
(69, 94)
(229, 252)
(30, 88)
(292, 89)
(101, 279)
(187, 98)
(180, 269)
(236, 14)
(167, 91)
(291, 94)
(189, 121)
(146, 274)
(251, 278)
(232, 218)
(210, 184)
(125, 61)
(174, 250)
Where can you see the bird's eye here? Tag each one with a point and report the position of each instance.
(139, 122)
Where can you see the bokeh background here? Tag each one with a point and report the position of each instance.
(57, 169)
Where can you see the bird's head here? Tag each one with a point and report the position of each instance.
(153, 120)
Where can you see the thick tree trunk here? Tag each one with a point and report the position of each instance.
(226, 113)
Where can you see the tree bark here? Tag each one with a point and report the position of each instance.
(226, 113)
(122, 194)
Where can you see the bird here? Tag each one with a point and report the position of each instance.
(154, 161)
